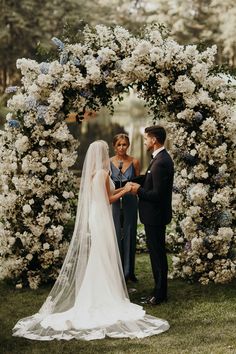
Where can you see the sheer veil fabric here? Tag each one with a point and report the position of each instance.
(89, 299)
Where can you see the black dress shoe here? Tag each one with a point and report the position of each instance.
(156, 301)
(145, 299)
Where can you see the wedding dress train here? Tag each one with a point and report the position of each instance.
(96, 304)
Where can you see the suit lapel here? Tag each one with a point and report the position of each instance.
(154, 159)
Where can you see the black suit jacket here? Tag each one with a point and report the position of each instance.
(155, 194)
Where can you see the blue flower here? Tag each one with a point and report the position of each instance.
(58, 43)
(11, 89)
(31, 102)
(64, 58)
(188, 246)
(76, 61)
(44, 67)
(41, 112)
(86, 94)
(224, 218)
(41, 120)
(99, 59)
(14, 123)
(198, 117)
(106, 73)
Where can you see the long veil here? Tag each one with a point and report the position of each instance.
(63, 294)
(72, 310)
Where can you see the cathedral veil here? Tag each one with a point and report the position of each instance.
(63, 294)
(89, 299)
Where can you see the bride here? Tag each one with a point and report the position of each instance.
(89, 299)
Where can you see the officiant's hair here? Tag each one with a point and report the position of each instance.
(158, 132)
(121, 136)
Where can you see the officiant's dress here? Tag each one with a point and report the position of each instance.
(95, 304)
(126, 233)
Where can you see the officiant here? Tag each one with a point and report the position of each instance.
(123, 169)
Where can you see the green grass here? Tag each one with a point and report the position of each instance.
(202, 320)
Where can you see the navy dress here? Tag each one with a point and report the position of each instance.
(126, 233)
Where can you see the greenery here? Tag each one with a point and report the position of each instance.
(202, 320)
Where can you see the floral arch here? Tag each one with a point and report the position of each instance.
(179, 83)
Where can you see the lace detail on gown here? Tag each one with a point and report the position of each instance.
(102, 306)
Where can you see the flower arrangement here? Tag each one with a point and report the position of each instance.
(37, 149)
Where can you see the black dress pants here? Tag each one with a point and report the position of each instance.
(155, 235)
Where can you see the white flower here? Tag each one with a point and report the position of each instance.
(11, 240)
(142, 49)
(193, 152)
(209, 255)
(226, 233)
(62, 133)
(66, 195)
(53, 165)
(19, 286)
(56, 100)
(211, 274)
(180, 239)
(29, 257)
(17, 102)
(56, 253)
(155, 36)
(184, 173)
(187, 270)
(175, 260)
(204, 98)
(42, 142)
(93, 70)
(46, 246)
(27, 209)
(209, 126)
(22, 143)
(128, 65)
(184, 85)
(156, 55)
(198, 194)
(196, 244)
(199, 72)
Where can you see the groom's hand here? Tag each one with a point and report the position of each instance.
(135, 187)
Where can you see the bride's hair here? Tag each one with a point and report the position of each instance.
(97, 157)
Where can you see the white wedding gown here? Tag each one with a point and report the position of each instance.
(101, 306)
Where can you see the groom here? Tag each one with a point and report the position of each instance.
(155, 195)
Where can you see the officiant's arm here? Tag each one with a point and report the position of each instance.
(136, 167)
(113, 197)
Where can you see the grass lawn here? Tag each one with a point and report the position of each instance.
(202, 320)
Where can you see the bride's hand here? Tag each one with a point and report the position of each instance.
(127, 187)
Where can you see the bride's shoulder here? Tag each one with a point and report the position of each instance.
(101, 174)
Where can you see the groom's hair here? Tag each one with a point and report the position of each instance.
(158, 132)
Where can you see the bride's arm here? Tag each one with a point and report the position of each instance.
(118, 193)
(118, 190)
